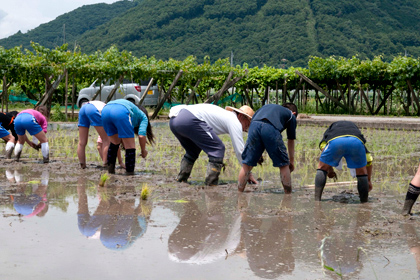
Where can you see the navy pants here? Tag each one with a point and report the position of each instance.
(195, 136)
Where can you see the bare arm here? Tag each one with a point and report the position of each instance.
(142, 142)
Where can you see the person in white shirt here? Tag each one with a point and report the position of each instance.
(197, 128)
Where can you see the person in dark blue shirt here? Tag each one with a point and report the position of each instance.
(265, 134)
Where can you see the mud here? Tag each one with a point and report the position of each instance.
(57, 223)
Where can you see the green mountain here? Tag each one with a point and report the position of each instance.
(278, 33)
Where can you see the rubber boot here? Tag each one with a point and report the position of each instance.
(18, 151)
(320, 181)
(363, 187)
(112, 157)
(411, 197)
(130, 161)
(9, 149)
(214, 168)
(185, 170)
(45, 152)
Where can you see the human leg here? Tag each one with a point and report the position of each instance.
(105, 143)
(362, 184)
(214, 167)
(81, 147)
(45, 150)
(130, 155)
(413, 193)
(320, 179)
(186, 168)
(19, 146)
(277, 151)
(10, 145)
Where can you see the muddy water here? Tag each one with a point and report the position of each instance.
(55, 227)
(57, 223)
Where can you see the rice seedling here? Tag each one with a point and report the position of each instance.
(145, 192)
(104, 177)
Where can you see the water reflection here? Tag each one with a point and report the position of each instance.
(117, 222)
(208, 231)
(267, 239)
(413, 241)
(341, 238)
(29, 198)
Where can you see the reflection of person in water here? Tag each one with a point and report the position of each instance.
(34, 204)
(339, 249)
(117, 222)
(204, 234)
(414, 244)
(268, 241)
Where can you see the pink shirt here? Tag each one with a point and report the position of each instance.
(42, 121)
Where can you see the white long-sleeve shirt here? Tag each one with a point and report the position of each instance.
(221, 120)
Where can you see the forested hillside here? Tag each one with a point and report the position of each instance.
(279, 33)
(68, 27)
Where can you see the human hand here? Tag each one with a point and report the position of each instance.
(291, 167)
(251, 180)
(370, 186)
(332, 174)
(33, 145)
(144, 153)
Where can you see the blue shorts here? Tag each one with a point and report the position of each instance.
(116, 120)
(262, 135)
(26, 122)
(89, 115)
(3, 132)
(351, 148)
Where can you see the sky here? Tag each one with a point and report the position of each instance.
(25, 15)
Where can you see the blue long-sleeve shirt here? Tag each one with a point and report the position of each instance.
(138, 118)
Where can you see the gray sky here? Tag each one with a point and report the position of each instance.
(25, 15)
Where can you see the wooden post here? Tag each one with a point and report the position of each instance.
(99, 91)
(410, 87)
(277, 92)
(65, 94)
(145, 92)
(73, 95)
(192, 94)
(114, 90)
(162, 101)
(284, 92)
(309, 81)
(218, 94)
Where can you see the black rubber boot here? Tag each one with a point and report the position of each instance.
(185, 170)
(214, 168)
(112, 157)
(411, 197)
(363, 187)
(9, 153)
(320, 181)
(130, 161)
(18, 155)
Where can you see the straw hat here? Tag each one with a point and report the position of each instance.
(246, 110)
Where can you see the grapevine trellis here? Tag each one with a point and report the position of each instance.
(336, 84)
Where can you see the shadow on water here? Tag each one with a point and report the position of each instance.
(196, 232)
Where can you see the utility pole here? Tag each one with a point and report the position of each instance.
(231, 58)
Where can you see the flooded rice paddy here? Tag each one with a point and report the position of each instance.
(57, 223)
